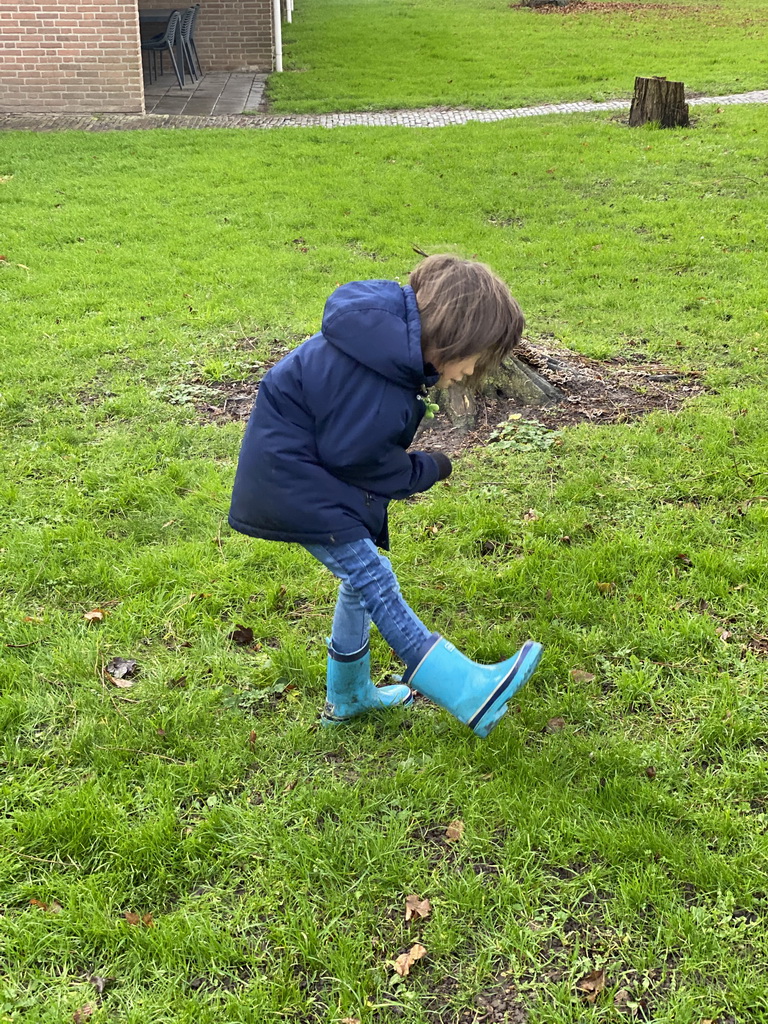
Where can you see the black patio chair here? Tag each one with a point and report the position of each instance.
(187, 22)
(191, 45)
(160, 43)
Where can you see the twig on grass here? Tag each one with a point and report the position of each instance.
(144, 753)
(42, 860)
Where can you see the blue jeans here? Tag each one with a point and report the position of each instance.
(369, 590)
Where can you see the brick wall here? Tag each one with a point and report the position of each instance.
(231, 35)
(70, 56)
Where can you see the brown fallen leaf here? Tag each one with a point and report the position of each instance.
(53, 907)
(241, 635)
(580, 676)
(122, 668)
(145, 919)
(555, 725)
(414, 907)
(99, 983)
(95, 615)
(84, 1013)
(455, 831)
(252, 739)
(592, 985)
(621, 998)
(405, 961)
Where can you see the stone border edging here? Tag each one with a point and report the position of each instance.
(430, 117)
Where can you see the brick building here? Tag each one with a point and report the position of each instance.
(84, 56)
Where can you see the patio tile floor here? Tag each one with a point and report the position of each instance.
(216, 94)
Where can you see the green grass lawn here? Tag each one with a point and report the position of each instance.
(379, 54)
(275, 858)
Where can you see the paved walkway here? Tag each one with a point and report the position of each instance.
(436, 117)
(216, 94)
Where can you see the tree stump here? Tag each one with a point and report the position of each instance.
(656, 99)
(516, 379)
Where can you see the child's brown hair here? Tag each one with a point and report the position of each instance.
(465, 310)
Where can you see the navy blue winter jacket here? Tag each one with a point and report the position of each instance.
(325, 447)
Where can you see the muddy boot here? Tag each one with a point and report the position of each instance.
(350, 691)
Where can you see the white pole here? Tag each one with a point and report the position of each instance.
(278, 33)
(289, 10)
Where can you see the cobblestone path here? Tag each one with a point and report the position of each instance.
(433, 117)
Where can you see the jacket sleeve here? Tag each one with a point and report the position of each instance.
(361, 443)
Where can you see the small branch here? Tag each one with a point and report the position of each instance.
(41, 860)
(144, 753)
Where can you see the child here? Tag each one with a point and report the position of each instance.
(325, 452)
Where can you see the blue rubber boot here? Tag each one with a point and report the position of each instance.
(475, 694)
(350, 691)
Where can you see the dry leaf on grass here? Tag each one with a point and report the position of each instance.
(621, 998)
(241, 635)
(99, 983)
(606, 588)
(580, 676)
(121, 671)
(121, 668)
(455, 831)
(405, 961)
(83, 1013)
(414, 907)
(592, 985)
(145, 919)
(53, 907)
(95, 615)
(555, 725)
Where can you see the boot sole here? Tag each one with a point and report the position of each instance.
(337, 720)
(494, 707)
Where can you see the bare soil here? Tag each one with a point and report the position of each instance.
(616, 6)
(620, 389)
(617, 390)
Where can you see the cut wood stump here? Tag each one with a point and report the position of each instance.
(515, 379)
(656, 99)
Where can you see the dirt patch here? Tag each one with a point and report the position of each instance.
(498, 1001)
(621, 389)
(610, 7)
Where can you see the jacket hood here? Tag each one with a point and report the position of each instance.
(377, 324)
